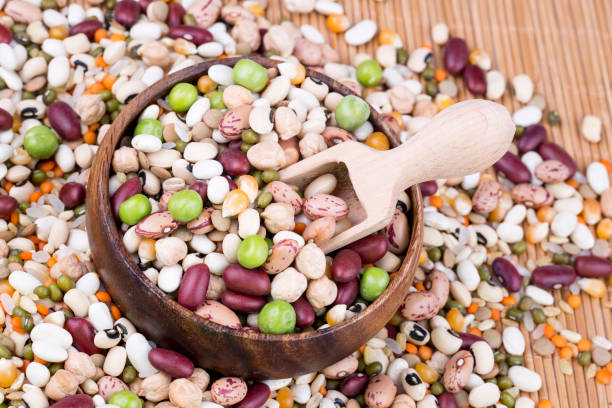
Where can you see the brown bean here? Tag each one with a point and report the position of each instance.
(125, 191)
(170, 362)
(591, 266)
(428, 188)
(531, 139)
(83, 334)
(175, 14)
(354, 384)
(127, 12)
(6, 120)
(196, 35)
(255, 397)
(446, 400)
(347, 293)
(513, 168)
(397, 232)
(8, 205)
(552, 151)
(246, 281)
(553, 276)
(5, 34)
(75, 401)
(370, 248)
(64, 120)
(455, 56)
(241, 302)
(72, 194)
(304, 313)
(474, 79)
(551, 171)
(194, 285)
(234, 162)
(506, 274)
(87, 27)
(144, 4)
(345, 266)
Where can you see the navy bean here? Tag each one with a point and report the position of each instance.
(467, 339)
(345, 266)
(475, 79)
(370, 248)
(5, 35)
(194, 285)
(553, 276)
(241, 302)
(83, 334)
(591, 266)
(175, 15)
(64, 120)
(506, 274)
(531, 139)
(455, 56)
(513, 168)
(354, 384)
(255, 397)
(347, 292)
(170, 362)
(304, 313)
(552, 151)
(131, 187)
(196, 35)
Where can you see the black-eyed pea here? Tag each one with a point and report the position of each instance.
(218, 313)
(396, 368)
(321, 292)
(460, 293)
(398, 232)
(283, 193)
(267, 155)
(279, 217)
(415, 333)
(458, 370)
(235, 121)
(325, 205)
(483, 357)
(317, 88)
(342, 368)
(311, 144)
(151, 184)
(380, 392)
(310, 261)
(261, 119)
(216, 287)
(156, 225)
(183, 169)
(334, 135)
(324, 184)
(281, 257)
(445, 340)
(413, 385)
(320, 230)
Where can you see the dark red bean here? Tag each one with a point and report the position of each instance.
(467, 339)
(354, 384)
(200, 187)
(447, 400)
(196, 35)
(391, 330)
(428, 188)
(170, 362)
(552, 151)
(72, 194)
(127, 12)
(175, 14)
(83, 334)
(553, 276)
(74, 401)
(246, 281)
(87, 27)
(125, 191)
(455, 56)
(255, 397)
(506, 274)
(531, 138)
(304, 313)
(370, 248)
(235, 144)
(234, 162)
(64, 120)
(8, 205)
(475, 79)
(232, 183)
(144, 4)
(345, 266)
(262, 47)
(347, 293)
(513, 168)
(194, 285)
(591, 266)
(241, 302)
(5, 34)
(6, 120)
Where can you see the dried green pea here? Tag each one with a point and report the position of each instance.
(526, 303)
(55, 293)
(373, 368)
(553, 117)
(55, 367)
(244, 147)
(518, 132)
(269, 176)
(129, 374)
(562, 259)
(514, 360)
(431, 88)
(5, 352)
(18, 311)
(499, 357)
(538, 316)
(179, 145)
(437, 388)
(514, 314)
(27, 323)
(264, 199)
(65, 283)
(507, 399)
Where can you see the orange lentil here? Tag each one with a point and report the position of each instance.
(606, 163)
(34, 196)
(100, 34)
(603, 377)
(475, 331)
(440, 75)
(16, 323)
(100, 62)
(362, 349)
(51, 262)
(436, 201)
(42, 309)
(583, 345)
(425, 352)
(299, 228)
(566, 352)
(473, 308)
(411, 348)
(581, 219)
(546, 214)
(558, 340)
(573, 183)
(428, 46)
(103, 296)
(46, 187)
(466, 220)
(89, 137)
(47, 165)
(15, 218)
(109, 81)
(115, 312)
(26, 256)
(378, 141)
(41, 245)
(49, 281)
(33, 238)
(222, 56)
(495, 314)
(509, 300)
(544, 404)
(574, 301)
(5, 287)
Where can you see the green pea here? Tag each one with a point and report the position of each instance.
(269, 176)
(249, 136)
(105, 119)
(185, 205)
(491, 380)
(514, 314)
(553, 117)
(276, 317)
(507, 399)
(584, 358)
(38, 176)
(484, 272)
(18, 311)
(14, 258)
(373, 368)
(114, 115)
(538, 316)
(252, 252)
(453, 304)
(429, 73)
(2, 84)
(5, 352)
(55, 367)
(369, 73)
(264, 199)
(437, 388)
(216, 100)
(96, 52)
(182, 96)
(150, 127)
(503, 368)
(28, 353)
(40, 142)
(431, 88)
(515, 360)
(361, 400)
(129, 374)
(518, 247)
(526, 303)
(434, 254)
(27, 323)
(112, 105)
(352, 112)
(257, 175)
(65, 283)
(504, 382)
(106, 95)
(55, 293)
(373, 283)
(562, 259)
(135, 209)
(269, 243)
(179, 145)
(189, 19)
(48, 4)
(125, 399)
(250, 74)
(402, 56)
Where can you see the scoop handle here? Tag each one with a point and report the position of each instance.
(463, 139)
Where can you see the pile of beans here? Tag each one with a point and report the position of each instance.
(67, 71)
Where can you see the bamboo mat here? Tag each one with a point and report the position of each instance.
(565, 47)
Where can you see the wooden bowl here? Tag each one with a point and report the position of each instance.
(229, 351)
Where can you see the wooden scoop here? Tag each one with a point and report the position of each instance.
(465, 138)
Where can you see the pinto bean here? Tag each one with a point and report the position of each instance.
(354, 384)
(241, 302)
(347, 292)
(506, 274)
(370, 248)
(513, 168)
(234, 162)
(591, 266)
(552, 151)
(475, 79)
(246, 281)
(125, 191)
(345, 266)
(127, 12)
(531, 139)
(255, 397)
(6, 120)
(170, 362)
(175, 15)
(531, 195)
(64, 120)
(194, 285)
(75, 401)
(455, 55)
(87, 27)
(553, 276)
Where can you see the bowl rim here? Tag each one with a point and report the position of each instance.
(102, 202)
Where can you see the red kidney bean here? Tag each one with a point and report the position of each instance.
(428, 188)
(354, 384)
(345, 266)
(506, 274)
(74, 401)
(474, 79)
(591, 266)
(175, 14)
(64, 120)
(255, 397)
(232, 184)
(446, 400)
(5, 34)
(262, 47)
(241, 302)
(8, 205)
(83, 334)
(304, 313)
(455, 56)
(552, 151)
(347, 292)
(72, 194)
(127, 12)
(513, 168)
(235, 144)
(391, 330)
(131, 187)
(467, 339)
(234, 162)
(246, 281)
(194, 285)
(196, 35)
(87, 27)
(6, 120)
(553, 276)
(531, 138)
(170, 362)
(370, 248)
(144, 4)
(200, 187)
